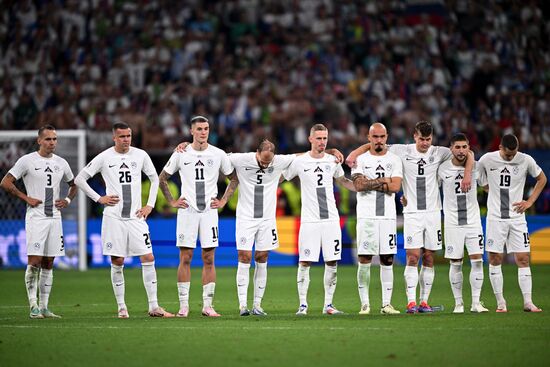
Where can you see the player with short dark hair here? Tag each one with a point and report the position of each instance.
(504, 173)
(42, 172)
(124, 231)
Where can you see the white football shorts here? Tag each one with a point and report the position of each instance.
(423, 230)
(314, 236)
(262, 232)
(44, 237)
(456, 238)
(376, 236)
(123, 238)
(513, 233)
(192, 224)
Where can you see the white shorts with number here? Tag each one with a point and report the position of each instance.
(192, 224)
(262, 232)
(123, 238)
(376, 236)
(513, 234)
(313, 236)
(44, 237)
(456, 238)
(422, 230)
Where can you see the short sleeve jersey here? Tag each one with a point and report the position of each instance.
(420, 184)
(459, 208)
(42, 177)
(122, 176)
(199, 172)
(317, 186)
(258, 186)
(375, 204)
(506, 180)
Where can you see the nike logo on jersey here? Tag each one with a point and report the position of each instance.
(248, 169)
(448, 176)
(410, 159)
(367, 167)
(36, 169)
(118, 284)
(186, 163)
(494, 169)
(309, 169)
(112, 166)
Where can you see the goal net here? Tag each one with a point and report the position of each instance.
(71, 146)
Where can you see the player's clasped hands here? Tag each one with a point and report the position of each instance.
(179, 203)
(33, 202)
(144, 212)
(109, 200)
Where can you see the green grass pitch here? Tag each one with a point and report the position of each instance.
(90, 334)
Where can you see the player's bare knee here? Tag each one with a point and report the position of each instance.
(305, 263)
(47, 262)
(386, 260)
(331, 263)
(147, 258)
(261, 256)
(522, 259)
(428, 259)
(245, 257)
(365, 259)
(118, 261)
(495, 258)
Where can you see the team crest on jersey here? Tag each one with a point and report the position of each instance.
(318, 169)
(490, 242)
(431, 159)
(133, 165)
(450, 249)
(365, 244)
(515, 170)
(56, 168)
(307, 252)
(109, 245)
(327, 168)
(242, 241)
(389, 167)
(409, 240)
(36, 245)
(210, 162)
(181, 237)
(270, 170)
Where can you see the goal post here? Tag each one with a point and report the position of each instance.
(71, 146)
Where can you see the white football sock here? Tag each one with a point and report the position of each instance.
(208, 294)
(525, 284)
(330, 280)
(260, 281)
(427, 276)
(303, 283)
(31, 284)
(363, 282)
(117, 279)
(183, 294)
(497, 282)
(150, 282)
(45, 286)
(386, 280)
(456, 278)
(476, 279)
(411, 281)
(243, 278)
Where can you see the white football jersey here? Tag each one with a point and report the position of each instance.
(199, 172)
(41, 177)
(375, 204)
(317, 186)
(506, 180)
(459, 208)
(420, 185)
(122, 176)
(257, 186)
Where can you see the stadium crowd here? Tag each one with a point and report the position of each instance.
(274, 68)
